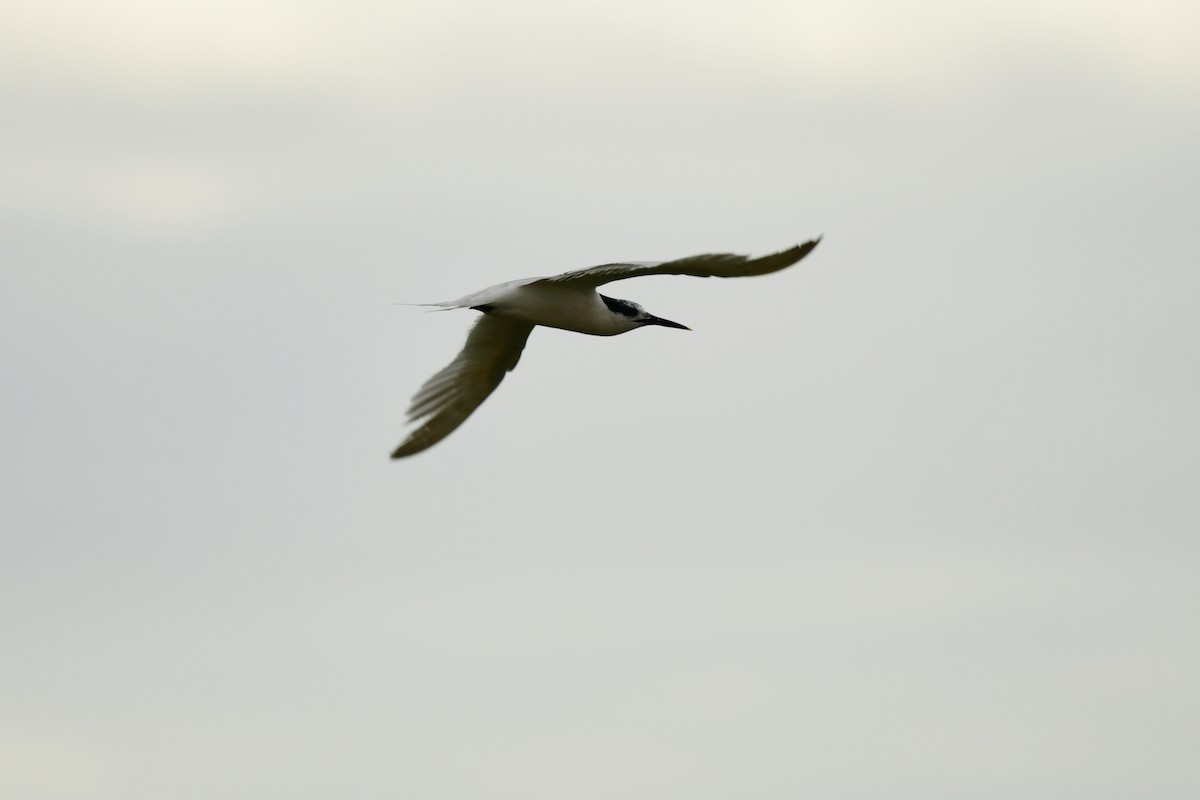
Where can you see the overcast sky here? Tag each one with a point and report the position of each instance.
(914, 519)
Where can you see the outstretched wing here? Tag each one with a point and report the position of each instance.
(493, 348)
(711, 265)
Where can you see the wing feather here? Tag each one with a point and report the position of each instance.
(444, 402)
(710, 265)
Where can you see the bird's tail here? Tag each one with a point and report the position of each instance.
(431, 306)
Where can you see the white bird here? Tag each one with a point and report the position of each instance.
(568, 301)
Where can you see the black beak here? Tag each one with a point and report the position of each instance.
(666, 323)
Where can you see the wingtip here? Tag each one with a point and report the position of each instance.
(403, 450)
(804, 249)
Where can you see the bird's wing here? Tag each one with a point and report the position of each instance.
(493, 348)
(710, 265)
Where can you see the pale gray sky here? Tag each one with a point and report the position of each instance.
(915, 519)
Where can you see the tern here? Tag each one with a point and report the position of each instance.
(510, 312)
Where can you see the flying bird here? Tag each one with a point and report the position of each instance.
(569, 301)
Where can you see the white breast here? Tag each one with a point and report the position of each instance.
(557, 306)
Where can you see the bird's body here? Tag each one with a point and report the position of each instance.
(553, 305)
(569, 301)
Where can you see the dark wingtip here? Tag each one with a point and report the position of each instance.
(404, 450)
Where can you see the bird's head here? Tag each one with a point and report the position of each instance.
(633, 315)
